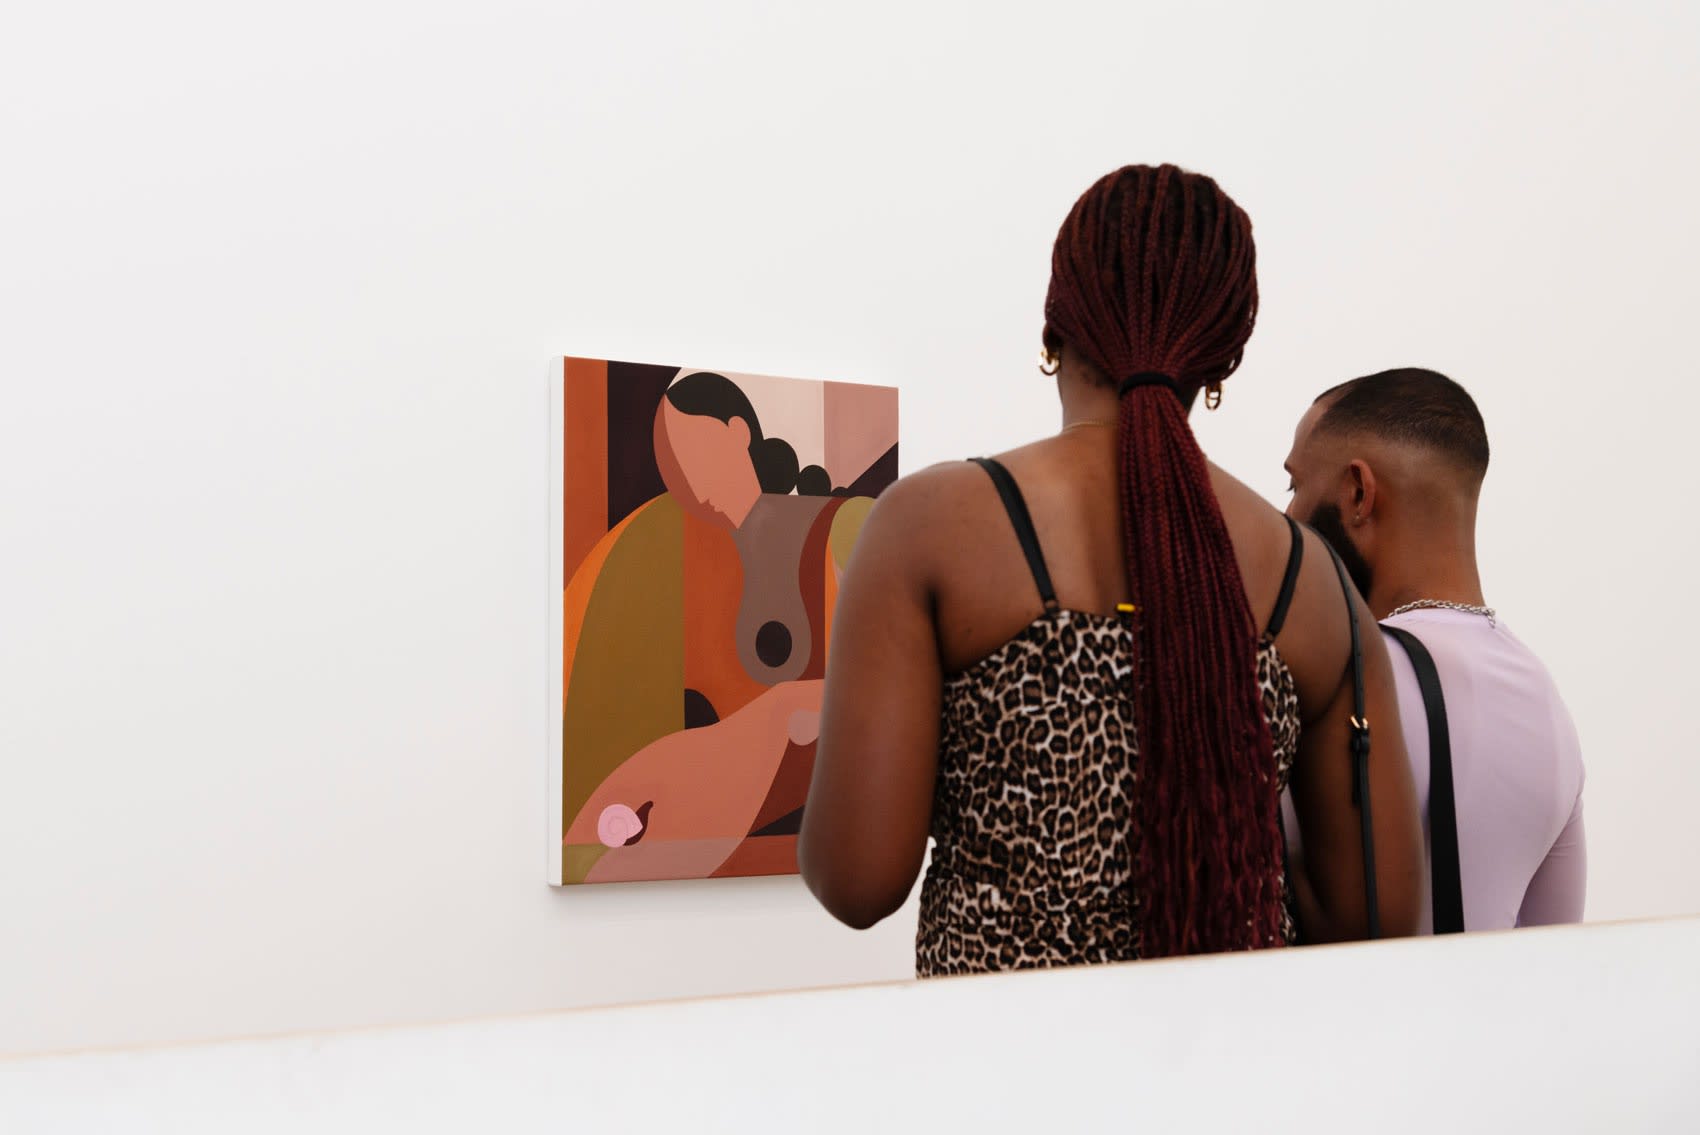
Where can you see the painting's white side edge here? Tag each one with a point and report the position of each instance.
(552, 698)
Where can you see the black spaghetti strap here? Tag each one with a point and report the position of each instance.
(1023, 522)
(1360, 749)
(1295, 560)
(1445, 868)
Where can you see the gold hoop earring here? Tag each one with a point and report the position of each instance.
(1046, 359)
(1213, 396)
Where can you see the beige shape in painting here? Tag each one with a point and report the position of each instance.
(860, 424)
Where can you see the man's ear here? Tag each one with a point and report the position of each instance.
(1360, 480)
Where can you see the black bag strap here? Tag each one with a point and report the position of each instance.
(1444, 864)
(1016, 506)
(1360, 749)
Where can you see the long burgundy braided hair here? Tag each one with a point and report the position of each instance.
(1154, 273)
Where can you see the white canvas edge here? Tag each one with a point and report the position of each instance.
(555, 645)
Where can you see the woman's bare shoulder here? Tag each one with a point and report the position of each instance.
(1241, 502)
(920, 509)
(928, 492)
(1262, 538)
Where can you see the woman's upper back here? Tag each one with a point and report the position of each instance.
(983, 588)
(1034, 819)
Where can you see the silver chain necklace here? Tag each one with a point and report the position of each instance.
(1448, 605)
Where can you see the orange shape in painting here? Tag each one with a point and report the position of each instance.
(790, 788)
(762, 855)
(585, 492)
(714, 585)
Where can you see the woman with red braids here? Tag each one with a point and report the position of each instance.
(1089, 669)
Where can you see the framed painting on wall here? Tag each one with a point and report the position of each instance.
(702, 520)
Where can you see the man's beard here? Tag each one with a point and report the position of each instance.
(1331, 526)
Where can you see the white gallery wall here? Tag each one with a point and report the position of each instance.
(278, 293)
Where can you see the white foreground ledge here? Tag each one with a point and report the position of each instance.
(1575, 1029)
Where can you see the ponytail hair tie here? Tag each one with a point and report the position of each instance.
(1147, 378)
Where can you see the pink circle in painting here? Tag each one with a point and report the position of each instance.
(617, 825)
(804, 727)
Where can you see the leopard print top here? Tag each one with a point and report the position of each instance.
(1033, 806)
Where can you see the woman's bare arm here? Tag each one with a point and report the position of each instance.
(870, 802)
(1330, 882)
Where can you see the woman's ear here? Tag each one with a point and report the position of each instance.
(740, 430)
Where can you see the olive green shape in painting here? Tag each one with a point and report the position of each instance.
(628, 678)
(847, 526)
(577, 859)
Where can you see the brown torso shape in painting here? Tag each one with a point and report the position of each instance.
(775, 631)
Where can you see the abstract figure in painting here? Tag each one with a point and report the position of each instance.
(705, 521)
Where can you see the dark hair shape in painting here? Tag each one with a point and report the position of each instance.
(813, 481)
(716, 396)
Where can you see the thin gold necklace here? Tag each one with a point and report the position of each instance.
(1082, 425)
